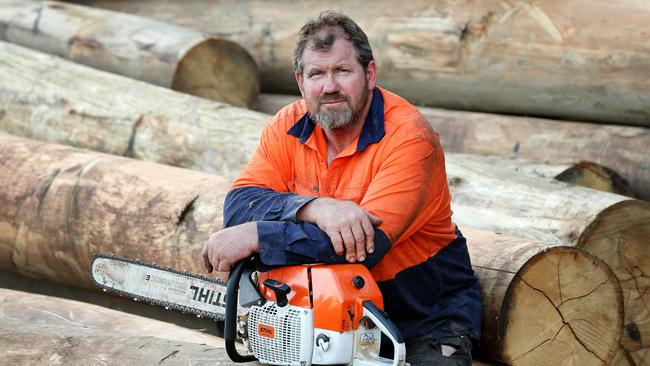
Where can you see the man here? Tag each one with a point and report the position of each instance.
(354, 173)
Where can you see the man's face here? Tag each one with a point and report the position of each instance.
(335, 85)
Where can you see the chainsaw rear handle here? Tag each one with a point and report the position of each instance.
(230, 326)
(389, 329)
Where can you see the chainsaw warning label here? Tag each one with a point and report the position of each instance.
(266, 331)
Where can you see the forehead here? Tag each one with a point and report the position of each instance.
(341, 53)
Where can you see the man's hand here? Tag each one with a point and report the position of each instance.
(228, 246)
(349, 227)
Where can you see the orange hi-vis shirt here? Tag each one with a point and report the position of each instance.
(394, 170)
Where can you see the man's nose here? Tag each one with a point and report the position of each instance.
(331, 85)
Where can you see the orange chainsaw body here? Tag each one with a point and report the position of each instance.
(334, 292)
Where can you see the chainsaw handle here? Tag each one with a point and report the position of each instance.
(230, 324)
(389, 329)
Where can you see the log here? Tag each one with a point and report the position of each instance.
(611, 227)
(33, 313)
(61, 205)
(544, 304)
(163, 54)
(550, 58)
(622, 149)
(30, 349)
(583, 173)
(51, 99)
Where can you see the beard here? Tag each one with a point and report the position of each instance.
(340, 117)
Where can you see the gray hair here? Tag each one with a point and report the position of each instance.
(329, 19)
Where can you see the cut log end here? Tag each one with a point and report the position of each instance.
(596, 176)
(220, 70)
(620, 236)
(559, 307)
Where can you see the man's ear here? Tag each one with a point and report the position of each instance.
(299, 81)
(371, 75)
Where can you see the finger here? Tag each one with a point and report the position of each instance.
(349, 244)
(375, 220)
(369, 233)
(224, 266)
(206, 258)
(337, 242)
(360, 241)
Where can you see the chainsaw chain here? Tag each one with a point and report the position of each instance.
(165, 304)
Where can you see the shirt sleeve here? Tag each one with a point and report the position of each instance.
(283, 240)
(290, 243)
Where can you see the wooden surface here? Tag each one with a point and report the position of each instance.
(623, 149)
(31, 313)
(544, 304)
(47, 98)
(611, 227)
(584, 174)
(547, 58)
(134, 46)
(61, 205)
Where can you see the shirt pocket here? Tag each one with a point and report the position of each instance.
(354, 194)
(306, 188)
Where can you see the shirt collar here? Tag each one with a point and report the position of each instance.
(373, 128)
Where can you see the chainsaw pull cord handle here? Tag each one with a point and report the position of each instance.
(389, 328)
(230, 324)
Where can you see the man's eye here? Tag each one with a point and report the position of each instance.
(315, 74)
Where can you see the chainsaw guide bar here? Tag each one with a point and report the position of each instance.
(162, 286)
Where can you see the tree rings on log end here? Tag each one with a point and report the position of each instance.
(620, 236)
(220, 70)
(563, 304)
(596, 176)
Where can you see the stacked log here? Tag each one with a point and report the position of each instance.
(611, 227)
(41, 330)
(32, 313)
(137, 47)
(61, 205)
(51, 99)
(64, 204)
(547, 58)
(622, 149)
(583, 173)
(544, 303)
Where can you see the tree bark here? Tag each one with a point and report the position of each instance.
(544, 304)
(51, 99)
(611, 227)
(622, 149)
(548, 58)
(159, 53)
(61, 205)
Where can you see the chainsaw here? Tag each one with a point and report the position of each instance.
(293, 315)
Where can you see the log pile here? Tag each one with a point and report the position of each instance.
(163, 214)
(61, 205)
(551, 58)
(137, 47)
(611, 227)
(563, 269)
(42, 330)
(51, 99)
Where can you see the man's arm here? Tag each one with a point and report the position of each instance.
(279, 243)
